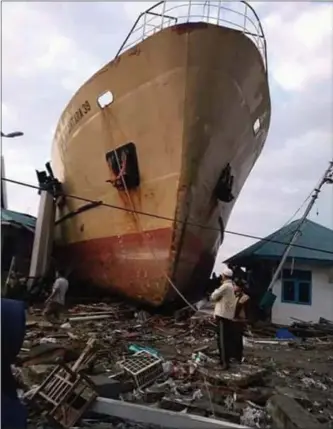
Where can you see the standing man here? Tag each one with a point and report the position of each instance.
(55, 304)
(224, 312)
(241, 318)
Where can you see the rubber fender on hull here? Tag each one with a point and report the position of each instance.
(223, 189)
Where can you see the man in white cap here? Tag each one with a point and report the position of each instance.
(224, 312)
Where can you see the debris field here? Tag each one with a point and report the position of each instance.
(171, 363)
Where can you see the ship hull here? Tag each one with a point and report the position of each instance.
(190, 111)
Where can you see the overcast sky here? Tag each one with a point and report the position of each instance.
(50, 49)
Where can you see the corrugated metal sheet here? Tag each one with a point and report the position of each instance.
(15, 218)
(313, 235)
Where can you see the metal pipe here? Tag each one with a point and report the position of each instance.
(87, 318)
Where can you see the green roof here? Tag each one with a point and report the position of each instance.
(312, 235)
(15, 218)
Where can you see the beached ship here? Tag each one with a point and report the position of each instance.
(165, 135)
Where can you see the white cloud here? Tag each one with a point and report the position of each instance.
(300, 43)
(49, 56)
(45, 48)
(133, 9)
(7, 114)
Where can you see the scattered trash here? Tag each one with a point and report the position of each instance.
(172, 363)
(284, 334)
(46, 340)
(253, 417)
(135, 348)
(66, 325)
(310, 382)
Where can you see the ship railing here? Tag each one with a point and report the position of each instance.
(236, 15)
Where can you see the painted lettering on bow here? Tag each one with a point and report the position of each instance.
(75, 118)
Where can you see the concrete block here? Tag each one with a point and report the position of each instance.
(110, 388)
(238, 375)
(286, 413)
(106, 387)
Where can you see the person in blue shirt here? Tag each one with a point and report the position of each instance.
(13, 413)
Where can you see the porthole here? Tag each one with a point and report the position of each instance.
(105, 99)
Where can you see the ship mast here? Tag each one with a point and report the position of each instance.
(326, 178)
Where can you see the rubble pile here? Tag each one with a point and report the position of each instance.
(323, 328)
(171, 363)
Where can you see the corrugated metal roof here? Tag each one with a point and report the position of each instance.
(312, 235)
(24, 220)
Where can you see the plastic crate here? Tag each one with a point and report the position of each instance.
(143, 367)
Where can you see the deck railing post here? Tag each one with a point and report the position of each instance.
(218, 12)
(144, 26)
(189, 10)
(163, 14)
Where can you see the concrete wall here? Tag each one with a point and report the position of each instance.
(322, 298)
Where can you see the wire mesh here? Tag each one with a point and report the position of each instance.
(143, 367)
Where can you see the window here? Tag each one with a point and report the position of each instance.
(105, 99)
(296, 287)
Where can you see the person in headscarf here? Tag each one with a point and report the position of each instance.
(224, 312)
(13, 413)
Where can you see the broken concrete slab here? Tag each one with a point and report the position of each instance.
(154, 416)
(202, 407)
(239, 375)
(299, 395)
(287, 413)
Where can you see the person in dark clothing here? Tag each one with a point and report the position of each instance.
(240, 320)
(13, 413)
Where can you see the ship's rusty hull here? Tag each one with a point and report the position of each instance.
(188, 98)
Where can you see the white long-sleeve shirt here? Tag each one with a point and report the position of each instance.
(225, 300)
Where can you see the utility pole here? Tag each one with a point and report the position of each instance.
(327, 178)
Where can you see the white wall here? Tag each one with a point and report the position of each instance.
(322, 299)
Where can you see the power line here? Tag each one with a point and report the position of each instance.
(299, 208)
(139, 212)
(326, 178)
(292, 217)
(329, 174)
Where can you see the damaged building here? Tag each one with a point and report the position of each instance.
(17, 237)
(304, 290)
